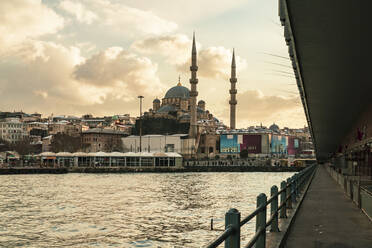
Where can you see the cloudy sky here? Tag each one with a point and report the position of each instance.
(75, 57)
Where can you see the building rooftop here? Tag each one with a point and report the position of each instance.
(104, 131)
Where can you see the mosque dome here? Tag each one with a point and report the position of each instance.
(166, 109)
(178, 91)
(274, 127)
(156, 101)
(201, 102)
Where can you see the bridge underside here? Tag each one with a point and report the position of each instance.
(329, 40)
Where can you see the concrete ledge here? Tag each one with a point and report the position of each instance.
(12, 171)
(146, 169)
(278, 239)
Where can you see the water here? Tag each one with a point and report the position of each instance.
(125, 210)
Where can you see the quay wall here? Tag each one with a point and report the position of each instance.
(8, 171)
(32, 170)
(183, 169)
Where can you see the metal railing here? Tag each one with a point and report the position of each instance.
(288, 194)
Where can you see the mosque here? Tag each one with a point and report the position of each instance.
(176, 104)
(179, 102)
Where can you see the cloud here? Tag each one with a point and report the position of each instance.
(254, 107)
(213, 62)
(78, 10)
(175, 48)
(115, 17)
(130, 75)
(191, 11)
(57, 79)
(41, 93)
(44, 82)
(259, 106)
(22, 19)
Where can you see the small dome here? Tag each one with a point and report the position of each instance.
(274, 127)
(199, 110)
(166, 109)
(156, 101)
(178, 92)
(201, 102)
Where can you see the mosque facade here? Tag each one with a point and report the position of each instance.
(177, 104)
(181, 103)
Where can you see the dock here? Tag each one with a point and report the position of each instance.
(329, 218)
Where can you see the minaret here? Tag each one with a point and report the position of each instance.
(233, 92)
(193, 92)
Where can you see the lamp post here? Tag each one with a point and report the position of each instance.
(140, 123)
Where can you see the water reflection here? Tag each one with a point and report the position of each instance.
(125, 210)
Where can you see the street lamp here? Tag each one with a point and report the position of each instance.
(140, 122)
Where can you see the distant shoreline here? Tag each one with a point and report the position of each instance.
(100, 170)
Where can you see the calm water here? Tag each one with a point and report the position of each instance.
(124, 210)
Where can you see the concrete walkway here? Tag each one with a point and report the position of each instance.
(327, 218)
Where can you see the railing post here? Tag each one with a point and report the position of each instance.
(289, 194)
(274, 209)
(297, 185)
(293, 189)
(283, 196)
(261, 221)
(232, 218)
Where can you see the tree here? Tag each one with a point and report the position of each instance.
(4, 145)
(161, 125)
(23, 147)
(114, 144)
(65, 143)
(244, 153)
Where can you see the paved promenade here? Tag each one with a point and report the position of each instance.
(329, 219)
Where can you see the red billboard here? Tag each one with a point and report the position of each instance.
(293, 145)
(252, 143)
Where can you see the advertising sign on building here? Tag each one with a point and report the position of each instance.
(229, 144)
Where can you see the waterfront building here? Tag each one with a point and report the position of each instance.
(46, 143)
(64, 127)
(36, 125)
(113, 159)
(179, 143)
(279, 145)
(230, 144)
(12, 130)
(209, 145)
(257, 144)
(99, 139)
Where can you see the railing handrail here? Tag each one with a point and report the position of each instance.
(293, 184)
(220, 239)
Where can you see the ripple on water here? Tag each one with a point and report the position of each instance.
(125, 210)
